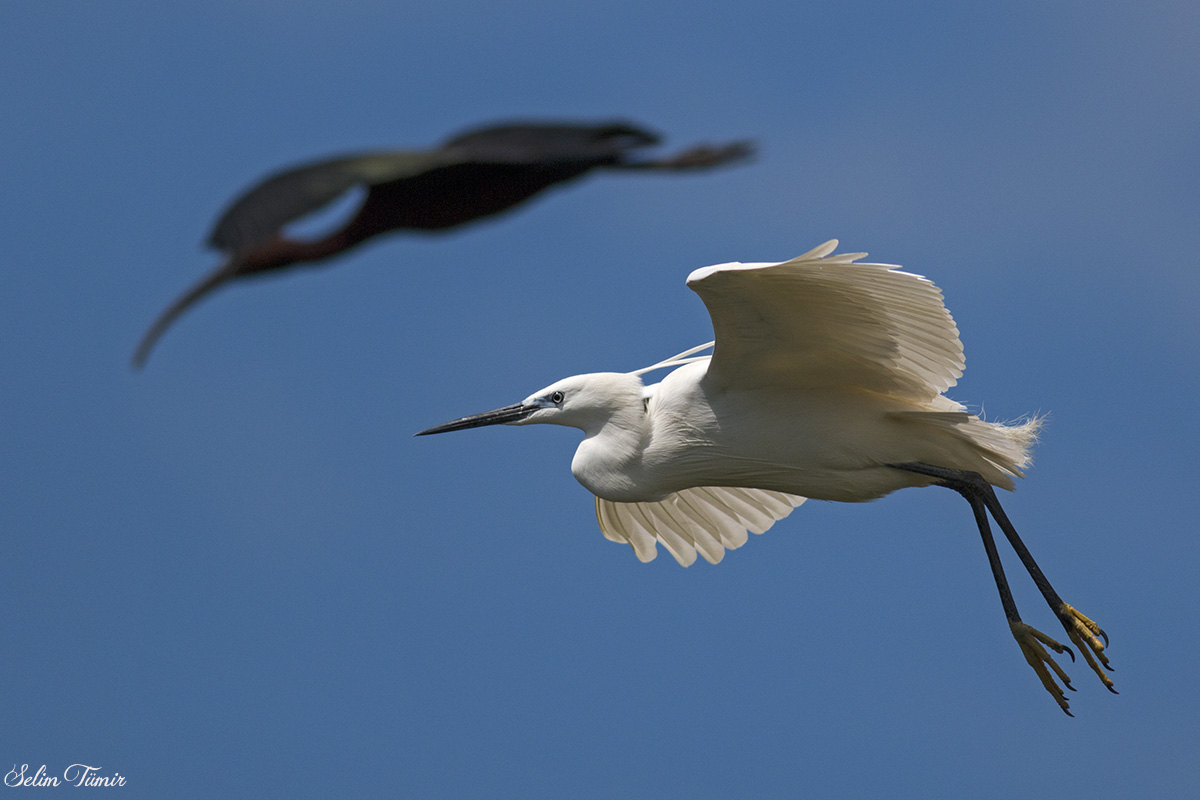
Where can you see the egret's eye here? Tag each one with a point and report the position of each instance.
(557, 398)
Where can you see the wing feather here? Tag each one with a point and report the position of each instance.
(705, 520)
(678, 541)
(731, 534)
(748, 512)
(823, 320)
(259, 213)
(703, 542)
(637, 532)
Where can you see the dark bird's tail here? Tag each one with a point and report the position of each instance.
(185, 301)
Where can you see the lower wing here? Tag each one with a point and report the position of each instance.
(706, 519)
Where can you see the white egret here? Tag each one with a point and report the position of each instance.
(825, 381)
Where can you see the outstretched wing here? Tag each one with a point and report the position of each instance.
(260, 213)
(706, 519)
(823, 321)
(610, 144)
(530, 142)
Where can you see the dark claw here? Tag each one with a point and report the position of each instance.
(1069, 686)
(1068, 713)
(1104, 636)
(1114, 691)
(1070, 652)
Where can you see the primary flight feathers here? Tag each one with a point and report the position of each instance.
(825, 320)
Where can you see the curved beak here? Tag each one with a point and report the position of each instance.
(501, 416)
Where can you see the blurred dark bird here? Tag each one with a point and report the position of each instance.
(472, 176)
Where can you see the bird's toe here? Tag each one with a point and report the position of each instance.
(1087, 636)
(1033, 644)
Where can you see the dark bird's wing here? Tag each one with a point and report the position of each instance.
(608, 144)
(549, 149)
(548, 143)
(262, 211)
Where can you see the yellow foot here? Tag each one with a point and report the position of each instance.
(1084, 633)
(1033, 646)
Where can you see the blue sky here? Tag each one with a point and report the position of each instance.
(237, 574)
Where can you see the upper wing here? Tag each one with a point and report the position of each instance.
(822, 321)
(261, 212)
(606, 144)
(549, 143)
(705, 519)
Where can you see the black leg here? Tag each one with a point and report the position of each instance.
(989, 545)
(1082, 631)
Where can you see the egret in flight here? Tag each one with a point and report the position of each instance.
(474, 175)
(825, 381)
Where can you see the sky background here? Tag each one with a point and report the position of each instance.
(237, 574)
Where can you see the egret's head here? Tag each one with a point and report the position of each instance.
(587, 402)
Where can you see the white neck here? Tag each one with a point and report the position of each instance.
(608, 461)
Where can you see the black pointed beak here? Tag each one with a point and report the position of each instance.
(501, 416)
